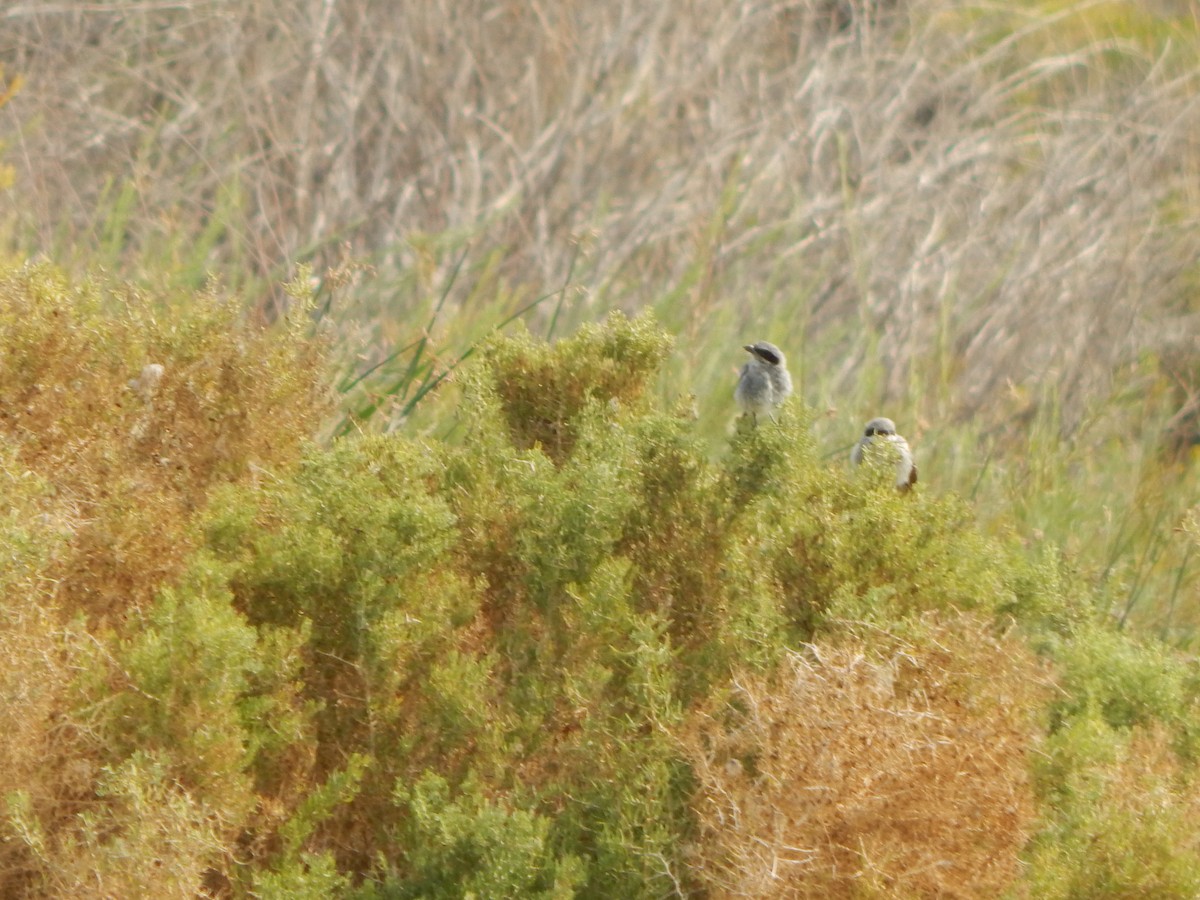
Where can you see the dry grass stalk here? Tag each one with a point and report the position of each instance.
(951, 179)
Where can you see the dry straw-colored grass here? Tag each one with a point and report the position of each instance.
(850, 772)
(959, 191)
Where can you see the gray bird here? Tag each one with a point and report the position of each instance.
(880, 445)
(764, 382)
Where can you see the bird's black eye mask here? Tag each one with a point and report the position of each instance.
(767, 356)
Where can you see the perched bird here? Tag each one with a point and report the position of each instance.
(881, 445)
(764, 382)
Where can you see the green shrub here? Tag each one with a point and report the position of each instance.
(188, 667)
(313, 877)
(1126, 680)
(398, 668)
(529, 615)
(541, 387)
(467, 845)
(1120, 814)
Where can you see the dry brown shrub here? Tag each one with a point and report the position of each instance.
(148, 838)
(102, 472)
(47, 762)
(39, 753)
(129, 462)
(853, 771)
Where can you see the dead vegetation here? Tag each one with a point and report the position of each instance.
(854, 772)
(132, 406)
(956, 195)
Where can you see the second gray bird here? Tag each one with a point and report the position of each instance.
(764, 382)
(882, 446)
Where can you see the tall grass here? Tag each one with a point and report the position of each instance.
(978, 218)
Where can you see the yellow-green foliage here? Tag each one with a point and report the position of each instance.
(542, 388)
(572, 655)
(1121, 813)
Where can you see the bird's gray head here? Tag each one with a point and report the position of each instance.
(766, 351)
(880, 426)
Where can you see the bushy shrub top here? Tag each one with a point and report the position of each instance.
(573, 654)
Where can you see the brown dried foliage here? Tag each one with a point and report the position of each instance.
(104, 471)
(850, 772)
(41, 752)
(131, 458)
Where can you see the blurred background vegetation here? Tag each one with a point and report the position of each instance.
(980, 219)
